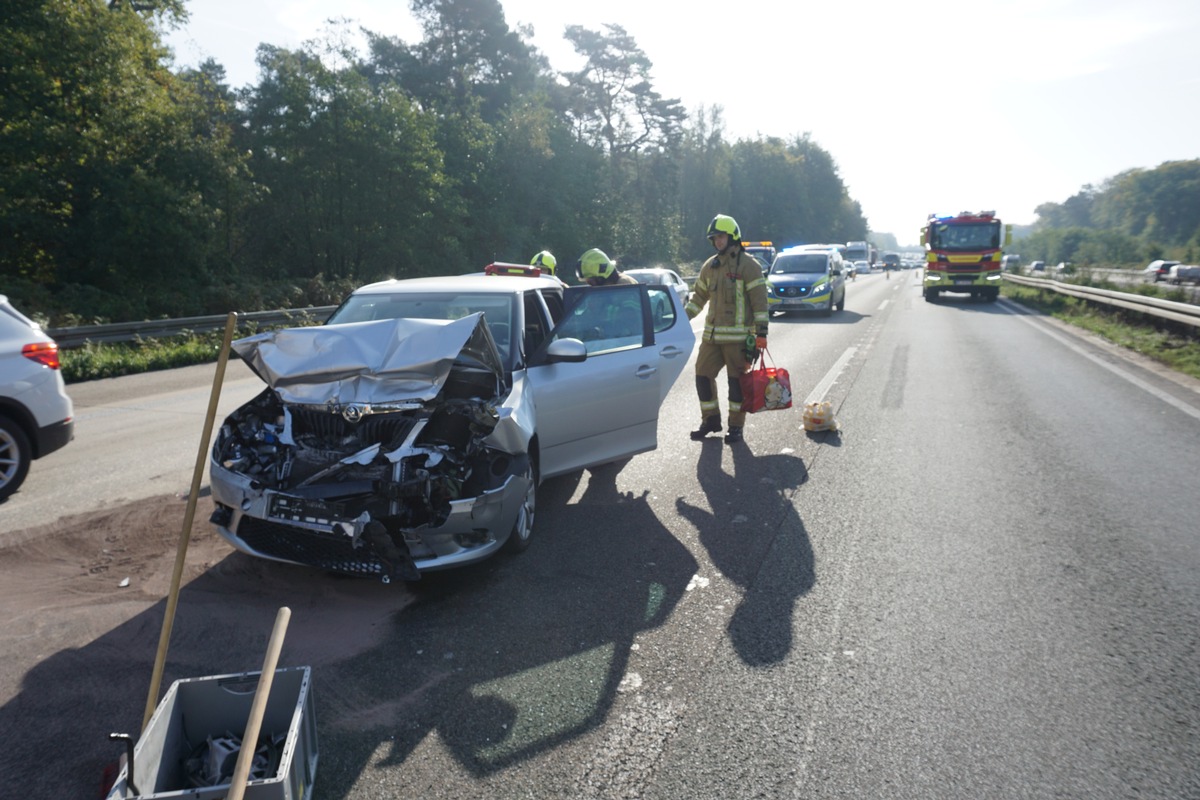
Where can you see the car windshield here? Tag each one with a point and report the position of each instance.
(497, 309)
(799, 263)
(974, 236)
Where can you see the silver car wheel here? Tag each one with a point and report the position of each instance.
(522, 532)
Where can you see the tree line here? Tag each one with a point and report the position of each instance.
(1130, 219)
(131, 190)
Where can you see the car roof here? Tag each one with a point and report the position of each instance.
(809, 248)
(498, 284)
(648, 271)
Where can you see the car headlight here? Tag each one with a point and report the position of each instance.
(993, 277)
(820, 288)
(932, 276)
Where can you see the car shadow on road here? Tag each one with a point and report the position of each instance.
(486, 666)
(757, 540)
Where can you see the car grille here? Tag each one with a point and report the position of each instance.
(316, 548)
(793, 291)
(372, 428)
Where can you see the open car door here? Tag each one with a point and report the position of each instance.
(605, 406)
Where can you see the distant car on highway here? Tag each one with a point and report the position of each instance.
(661, 276)
(36, 415)
(1159, 269)
(1183, 273)
(862, 267)
(1037, 266)
(808, 278)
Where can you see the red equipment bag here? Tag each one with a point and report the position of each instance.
(766, 388)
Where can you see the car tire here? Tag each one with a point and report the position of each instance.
(15, 455)
(841, 306)
(522, 532)
(930, 295)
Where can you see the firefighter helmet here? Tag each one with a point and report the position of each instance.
(545, 260)
(595, 263)
(725, 224)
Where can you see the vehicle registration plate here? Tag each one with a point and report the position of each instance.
(296, 509)
(963, 281)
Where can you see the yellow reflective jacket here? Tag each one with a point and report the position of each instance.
(733, 287)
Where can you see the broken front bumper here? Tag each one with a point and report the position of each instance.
(281, 527)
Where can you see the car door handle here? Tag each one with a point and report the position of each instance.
(645, 371)
(670, 351)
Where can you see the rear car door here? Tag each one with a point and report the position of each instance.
(606, 407)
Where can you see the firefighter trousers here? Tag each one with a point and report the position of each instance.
(710, 360)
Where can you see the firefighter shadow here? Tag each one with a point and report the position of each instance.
(754, 536)
(507, 660)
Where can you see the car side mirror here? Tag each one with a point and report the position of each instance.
(566, 350)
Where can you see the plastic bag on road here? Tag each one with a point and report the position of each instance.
(819, 416)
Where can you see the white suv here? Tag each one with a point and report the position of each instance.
(35, 412)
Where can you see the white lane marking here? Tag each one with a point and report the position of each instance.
(1120, 373)
(883, 305)
(818, 392)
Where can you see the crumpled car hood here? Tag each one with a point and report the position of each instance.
(383, 361)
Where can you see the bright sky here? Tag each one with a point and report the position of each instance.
(1002, 105)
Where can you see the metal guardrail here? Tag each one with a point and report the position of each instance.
(80, 335)
(1186, 313)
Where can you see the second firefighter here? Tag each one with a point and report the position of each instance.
(732, 285)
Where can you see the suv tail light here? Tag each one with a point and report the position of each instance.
(45, 353)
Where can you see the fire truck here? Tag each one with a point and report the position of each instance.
(962, 254)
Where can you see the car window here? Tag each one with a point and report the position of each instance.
(497, 309)
(662, 310)
(605, 318)
(537, 323)
(798, 263)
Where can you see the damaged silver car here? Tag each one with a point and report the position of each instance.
(411, 431)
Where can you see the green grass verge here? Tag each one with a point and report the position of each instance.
(94, 361)
(1176, 346)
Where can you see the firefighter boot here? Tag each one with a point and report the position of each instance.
(711, 424)
(734, 436)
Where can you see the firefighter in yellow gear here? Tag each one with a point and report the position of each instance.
(546, 262)
(595, 268)
(732, 285)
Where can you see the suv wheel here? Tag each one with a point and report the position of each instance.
(15, 455)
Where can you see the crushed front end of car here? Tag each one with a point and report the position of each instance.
(379, 449)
